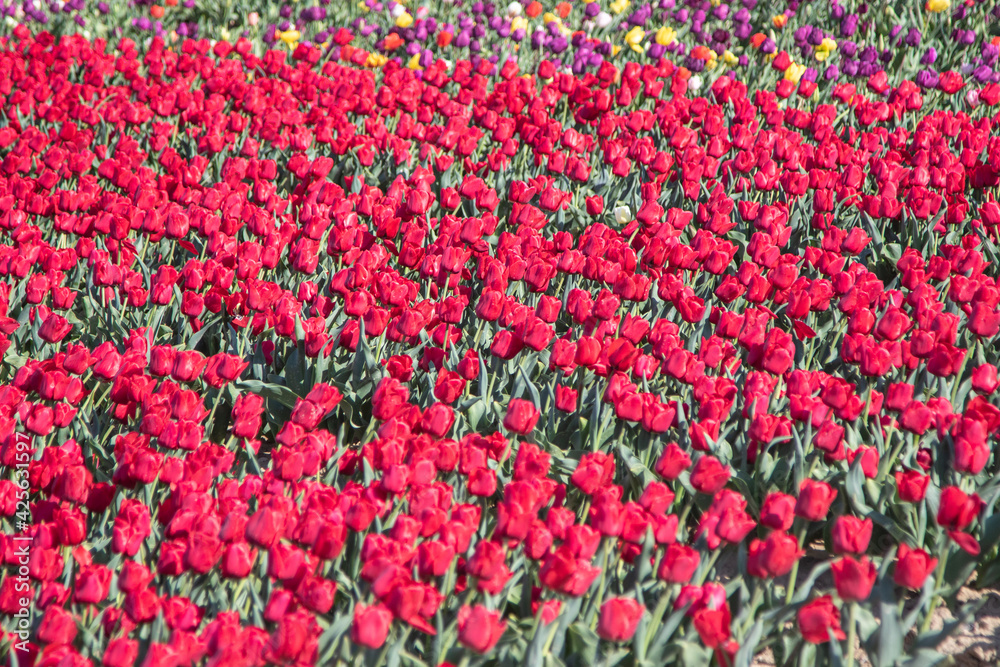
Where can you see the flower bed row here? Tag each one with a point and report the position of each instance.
(304, 364)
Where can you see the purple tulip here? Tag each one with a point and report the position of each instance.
(927, 78)
(849, 25)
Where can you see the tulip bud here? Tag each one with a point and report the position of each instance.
(622, 214)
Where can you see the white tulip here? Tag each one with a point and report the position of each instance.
(603, 20)
(622, 214)
(514, 9)
(694, 83)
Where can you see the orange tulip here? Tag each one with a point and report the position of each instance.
(156, 11)
(701, 53)
(563, 9)
(393, 41)
(534, 9)
(444, 39)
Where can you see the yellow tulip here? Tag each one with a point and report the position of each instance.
(825, 48)
(404, 20)
(549, 17)
(729, 58)
(414, 62)
(937, 6)
(518, 23)
(634, 38)
(619, 6)
(665, 36)
(290, 36)
(375, 60)
(795, 72)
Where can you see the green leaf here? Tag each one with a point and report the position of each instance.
(925, 657)
(278, 392)
(749, 645)
(890, 633)
(581, 643)
(635, 466)
(855, 491)
(892, 527)
(666, 631)
(694, 655)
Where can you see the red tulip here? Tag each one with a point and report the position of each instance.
(521, 416)
(854, 579)
(820, 620)
(479, 629)
(619, 619)
(957, 510)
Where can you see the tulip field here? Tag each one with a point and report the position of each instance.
(472, 334)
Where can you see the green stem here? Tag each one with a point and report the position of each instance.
(926, 625)
(708, 566)
(654, 622)
(758, 593)
(790, 590)
(852, 634)
(605, 558)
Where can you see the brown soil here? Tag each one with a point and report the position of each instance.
(975, 645)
